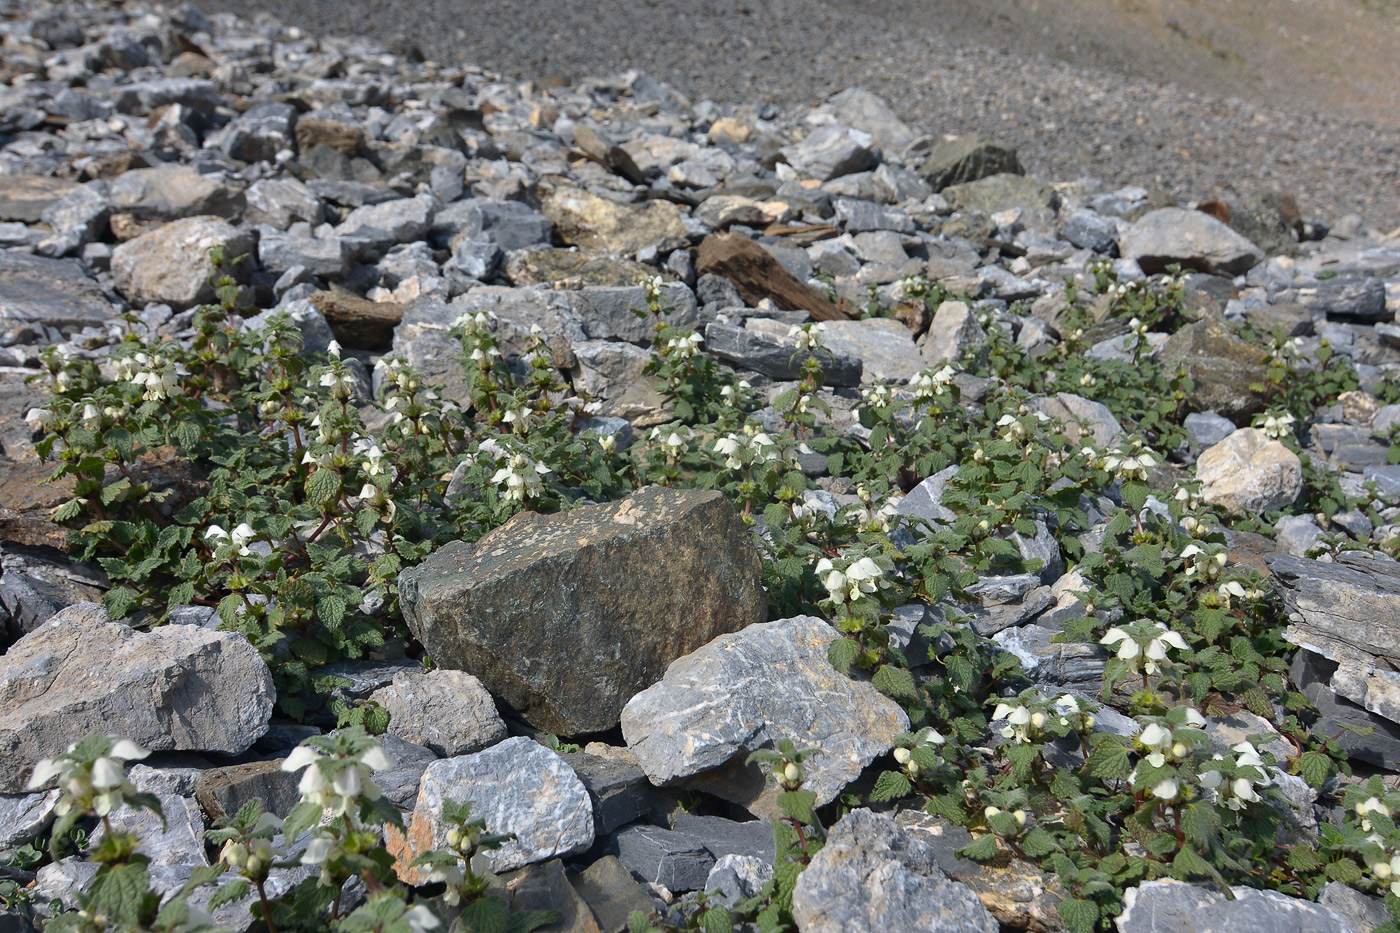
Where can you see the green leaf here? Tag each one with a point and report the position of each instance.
(1199, 822)
(797, 805)
(1079, 916)
(322, 487)
(122, 893)
(1344, 870)
(842, 653)
(1315, 767)
(488, 915)
(331, 609)
(1038, 843)
(302, 817)
(981, 849)
(119, 601)
(894, 682)
(233, 891)
(890, 785)
(527, 921)
(1109, 759)
(1189, 865)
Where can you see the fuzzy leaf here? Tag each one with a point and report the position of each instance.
(981, 849)
(233, 891)
(1079, 916)
(1109, 759)
(842, 653)
(890, 785)
(895, 682)
(1038, 843)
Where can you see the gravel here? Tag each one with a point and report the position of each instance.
(1068, 122)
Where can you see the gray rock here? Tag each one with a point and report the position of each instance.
(568, 660)
(1088, 230)
(1191, 239)
(25, 197)
(261, 132)
(1362, 912)
(223, 791)
(1074, 666)
(1360, 298)
(1001, 192)
(925, 500)
(1313, 674)
(884, 346)
(1387, 478)
(1223, 368)
(736, 877)
(775, 358)
(170, 264)
(144, 96)
(76, 219)
(177, 840)
(721, 702)
(24, 816)
(1248, 472)
(509, 224)
(953, 331)
(517, 786)
(610, 313)
(966, 159)
(655, 855)
(832, 151)
(1206, 428)
(177, 687)
(281, 202)
(589, 221)
(328, 258)
(447, 711)
(617, 786)
(1174, 907)
(1086, 421)
(872, 874)
(58, 293)
(408, 762)
(1296, 534)
(379, 226)
(611, 893)
(860, 216)
(860, 109)
(173, 192)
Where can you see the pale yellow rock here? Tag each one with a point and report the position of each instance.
(729, 130)
(1248, 472)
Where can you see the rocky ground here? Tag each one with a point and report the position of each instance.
(1246, 97)
(381, 199)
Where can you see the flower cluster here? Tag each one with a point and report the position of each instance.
(928, 384)
(336, 779)
(858, 578)
(1130, 463)
(1239, 789)
(91, 776)
(808, 336)
(159, 376)
(520, 477)
(1275, 424)
(236, 540)
(685, 346)
(1204, 561)
(1143, 644)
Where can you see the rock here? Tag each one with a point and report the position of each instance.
(737, 877)
(376, 227)
(58, 293)
(884, 347)
(952, 332)
(447, 711)
(281, 202)
(174, 688)
(1293, 320)
(659, 856)
(1085, 421)
(327, 258)
(511, 225)
(584, 219)
(1360, 298)
(618, 788)
(517, 786)
(1337, 716)
(925, 500)
(1091, 231)
(77, 218)
(1191, 239)
(777, 358)
(595, 144)
(261, 133)
(24, 816)
(1174, 907)
(222, 792)
(1222, 368)
(1250, 473)
(611, 313)
(1206, 428)
(25, 197)
(861, 110)
(757, 275)
(1001, 192)
(546, 887)
(858, 217)
(173, 192)
(832, 151)
(965, 159)
(1296, 534)
(176, 840)
(170, 264)
(723, 701)
(569, 659)
(142, 97)
(358, 322)
(584, 269)
(1363, 913)
(874, 875)
(612, 893)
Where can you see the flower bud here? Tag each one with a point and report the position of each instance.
(792, 772)
(1020, 817)
(1179, 750)
(1038, 720)
(901, 755)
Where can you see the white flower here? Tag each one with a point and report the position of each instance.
(520, 478)
(374, 466)
(420, 919)
(40, 418)
(1276, 425)
(809, 336)
(333, 348)
(1143, 646)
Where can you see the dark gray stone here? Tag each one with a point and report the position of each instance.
(655, 855)
(772, 357)
(57, 293)
(261, 132)
(1206, 428)
(1173, 907)
(965, 159)
(1359, 298)
(1088, 230)
(619, 790)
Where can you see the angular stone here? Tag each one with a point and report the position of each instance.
(327, 258)
(517, 786)
(24, 816)
(1206, 428)
(1222, 368)
(618, 788)
(1249, 472)
(281, 202)
(1362, 912)
(574, 267)
(725, 700)
(1092, 231)
(174, 688)
(1001, 193)
(775, 357)
(358, 322)
(678, 861)
(77, 218)
(832, 151)
(1191, 239)
(172, 192)
(568, 659)
(407, 764)
(611, 313)
(224, 791)
(178, 840)
(25, 197)
(952, 332)
(546, 887)
(872, 874)
(447, 711)
(1360, 298)
(861, 110)
(170, 264)
(966, 159)
(1296, 534)
(1085, 420)
(884, 347)
(1313, 675)
(612, 893)
(584, 219)
(757, 275)
(595, 144)
(1343, 610)
(1174, 907)
(59, 293)
(380, 226)
(925, 500)
(261, 132)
